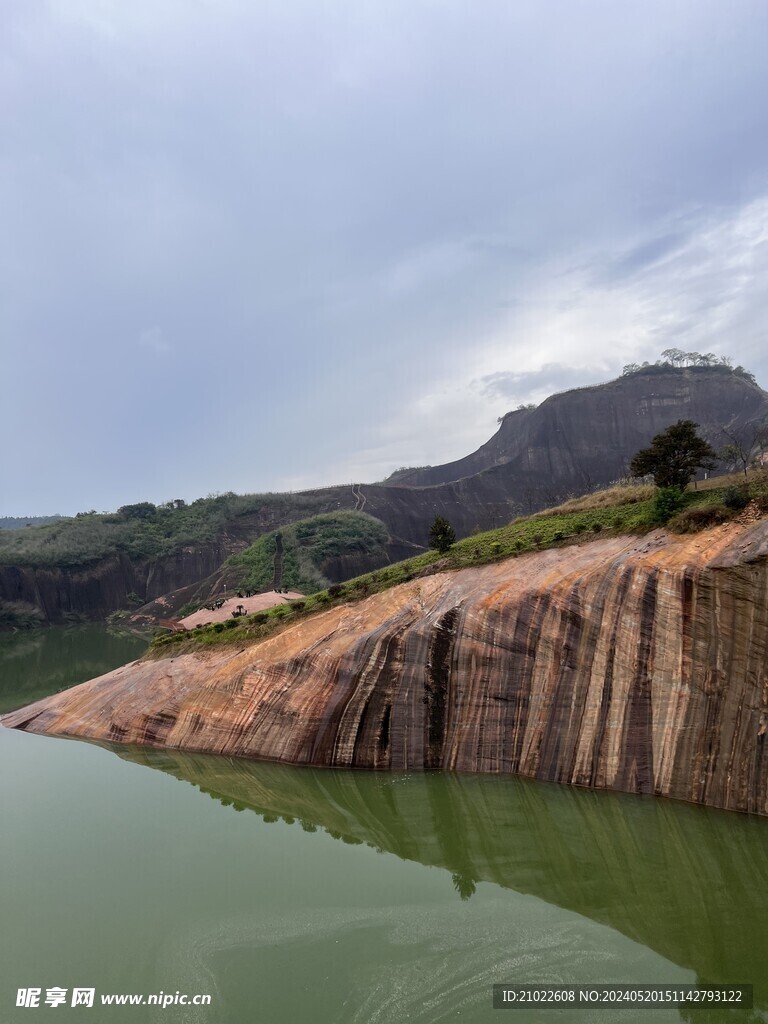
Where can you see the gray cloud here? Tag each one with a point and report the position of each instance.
(517, 387)
(643, 255)
(340, 216)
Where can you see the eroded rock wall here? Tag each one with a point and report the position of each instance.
(93, 591)
(636, 665)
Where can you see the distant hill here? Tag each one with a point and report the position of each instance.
(573, 443)
(582, 438)
(17, 522)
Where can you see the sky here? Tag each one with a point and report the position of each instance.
(270, 246)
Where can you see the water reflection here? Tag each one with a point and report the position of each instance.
(34, 665)
(687, 882)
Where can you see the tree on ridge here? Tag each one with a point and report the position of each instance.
(441, 535)
(674, 456)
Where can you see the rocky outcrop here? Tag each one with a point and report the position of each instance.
(586, 437)
(636, 665)
(93, 591)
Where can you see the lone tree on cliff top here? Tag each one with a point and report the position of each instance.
(674, 456)
(441, 535)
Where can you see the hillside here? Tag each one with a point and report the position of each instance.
(312, 553)
(621, 511)
(572, 443)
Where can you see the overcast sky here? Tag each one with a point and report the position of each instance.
(268, 245)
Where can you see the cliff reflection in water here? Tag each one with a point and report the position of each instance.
(687, 882)
(44, 661)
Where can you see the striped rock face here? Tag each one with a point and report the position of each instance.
(632, 664)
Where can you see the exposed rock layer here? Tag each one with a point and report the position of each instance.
(637, 665)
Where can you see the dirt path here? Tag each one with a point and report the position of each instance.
(360, 498)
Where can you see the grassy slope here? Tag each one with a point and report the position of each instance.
(618, 510)
(307, 545)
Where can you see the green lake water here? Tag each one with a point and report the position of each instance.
(295, 894)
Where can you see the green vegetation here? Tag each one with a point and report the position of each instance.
(675, 358)
(666, 503)
(736, 498)
(691, 520)
(142, 530)
(308, 546)
(577, 521)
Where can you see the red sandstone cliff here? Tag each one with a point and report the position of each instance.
(637, 665)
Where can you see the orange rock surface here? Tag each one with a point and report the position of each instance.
(625, 663)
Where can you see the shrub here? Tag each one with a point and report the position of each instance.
(537, 539)
(558, 535)
(518, 545)
(618, 522)
(579, 527)
(758, 492)
(335, 590)
(700, 518)
(736, 498)
(596, 527)
(141, 510)
(667, 502)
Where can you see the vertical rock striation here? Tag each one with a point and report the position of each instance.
(636, 665)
